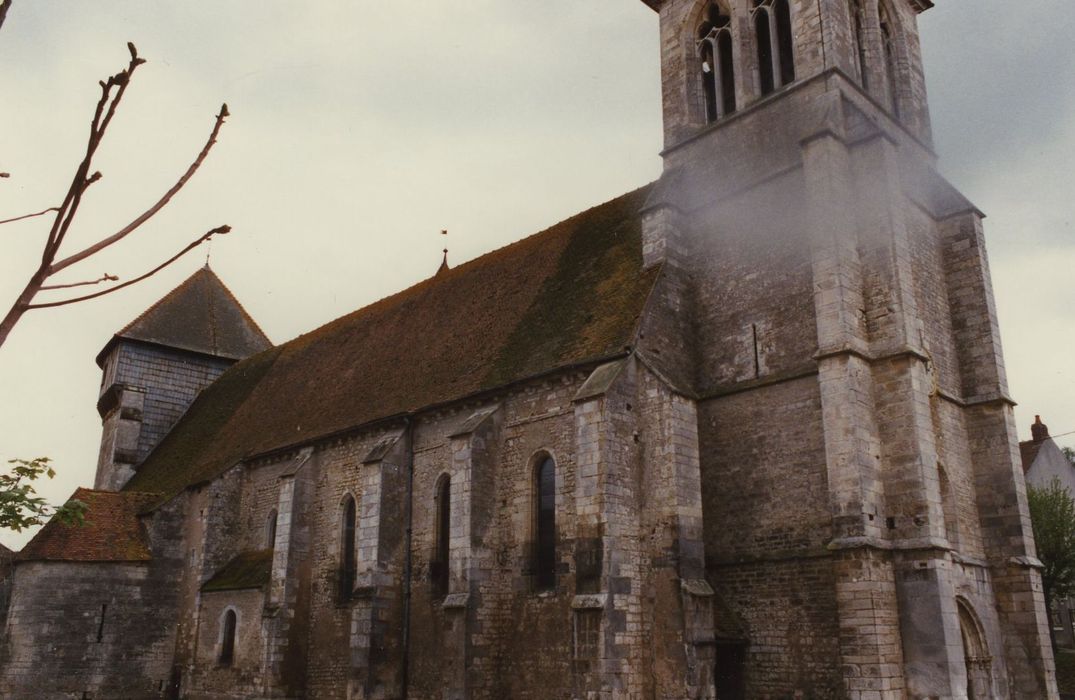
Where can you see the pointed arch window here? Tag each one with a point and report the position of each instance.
(891, 67)
(227, 638)
(439, 568)
(772, 30)
(717, 63)
(348, 561)
(858, 22)
(545, 524)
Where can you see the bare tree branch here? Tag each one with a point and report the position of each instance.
(106, 106)
(30, 216)
(112, 91)
(104, 278)
(131, 227)
(202, 239)
(3, 11)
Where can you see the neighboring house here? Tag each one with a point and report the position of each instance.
(1043, 461)
(741, 433)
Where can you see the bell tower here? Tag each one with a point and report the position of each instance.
(154, 368)
(864, 508)
(748, 50)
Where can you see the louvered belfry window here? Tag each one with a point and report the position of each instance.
(717, 63)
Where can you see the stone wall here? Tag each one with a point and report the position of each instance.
(495, 634)
(504, 600)
(210, 514)
(767, 523)
(72, 628)
(241, 677)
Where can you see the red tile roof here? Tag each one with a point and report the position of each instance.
(200, 315)
(570, 295)
(112, 531)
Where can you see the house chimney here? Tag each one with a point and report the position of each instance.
(1039, 430)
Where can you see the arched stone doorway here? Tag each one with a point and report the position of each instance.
(976, 655)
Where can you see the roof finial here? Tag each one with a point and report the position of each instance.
(444, 263)
(208, 251)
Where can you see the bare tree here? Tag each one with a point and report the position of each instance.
(112, 92)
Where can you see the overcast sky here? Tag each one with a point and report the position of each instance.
(362, 128)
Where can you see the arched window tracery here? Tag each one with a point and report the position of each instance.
(772, 31)
(717, 63)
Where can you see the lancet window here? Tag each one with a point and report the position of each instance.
(772, 30)
(545, 524)
(348, 561)
(718, 67)
(227, 638)
(439, 565)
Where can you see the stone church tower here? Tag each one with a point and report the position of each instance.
(844, 317)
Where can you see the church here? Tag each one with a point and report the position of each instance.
(744, 432)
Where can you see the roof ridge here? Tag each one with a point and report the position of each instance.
(461, 268)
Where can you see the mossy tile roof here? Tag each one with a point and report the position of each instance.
(247, 570)
(570, 295)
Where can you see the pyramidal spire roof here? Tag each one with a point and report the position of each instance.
(200, 315)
